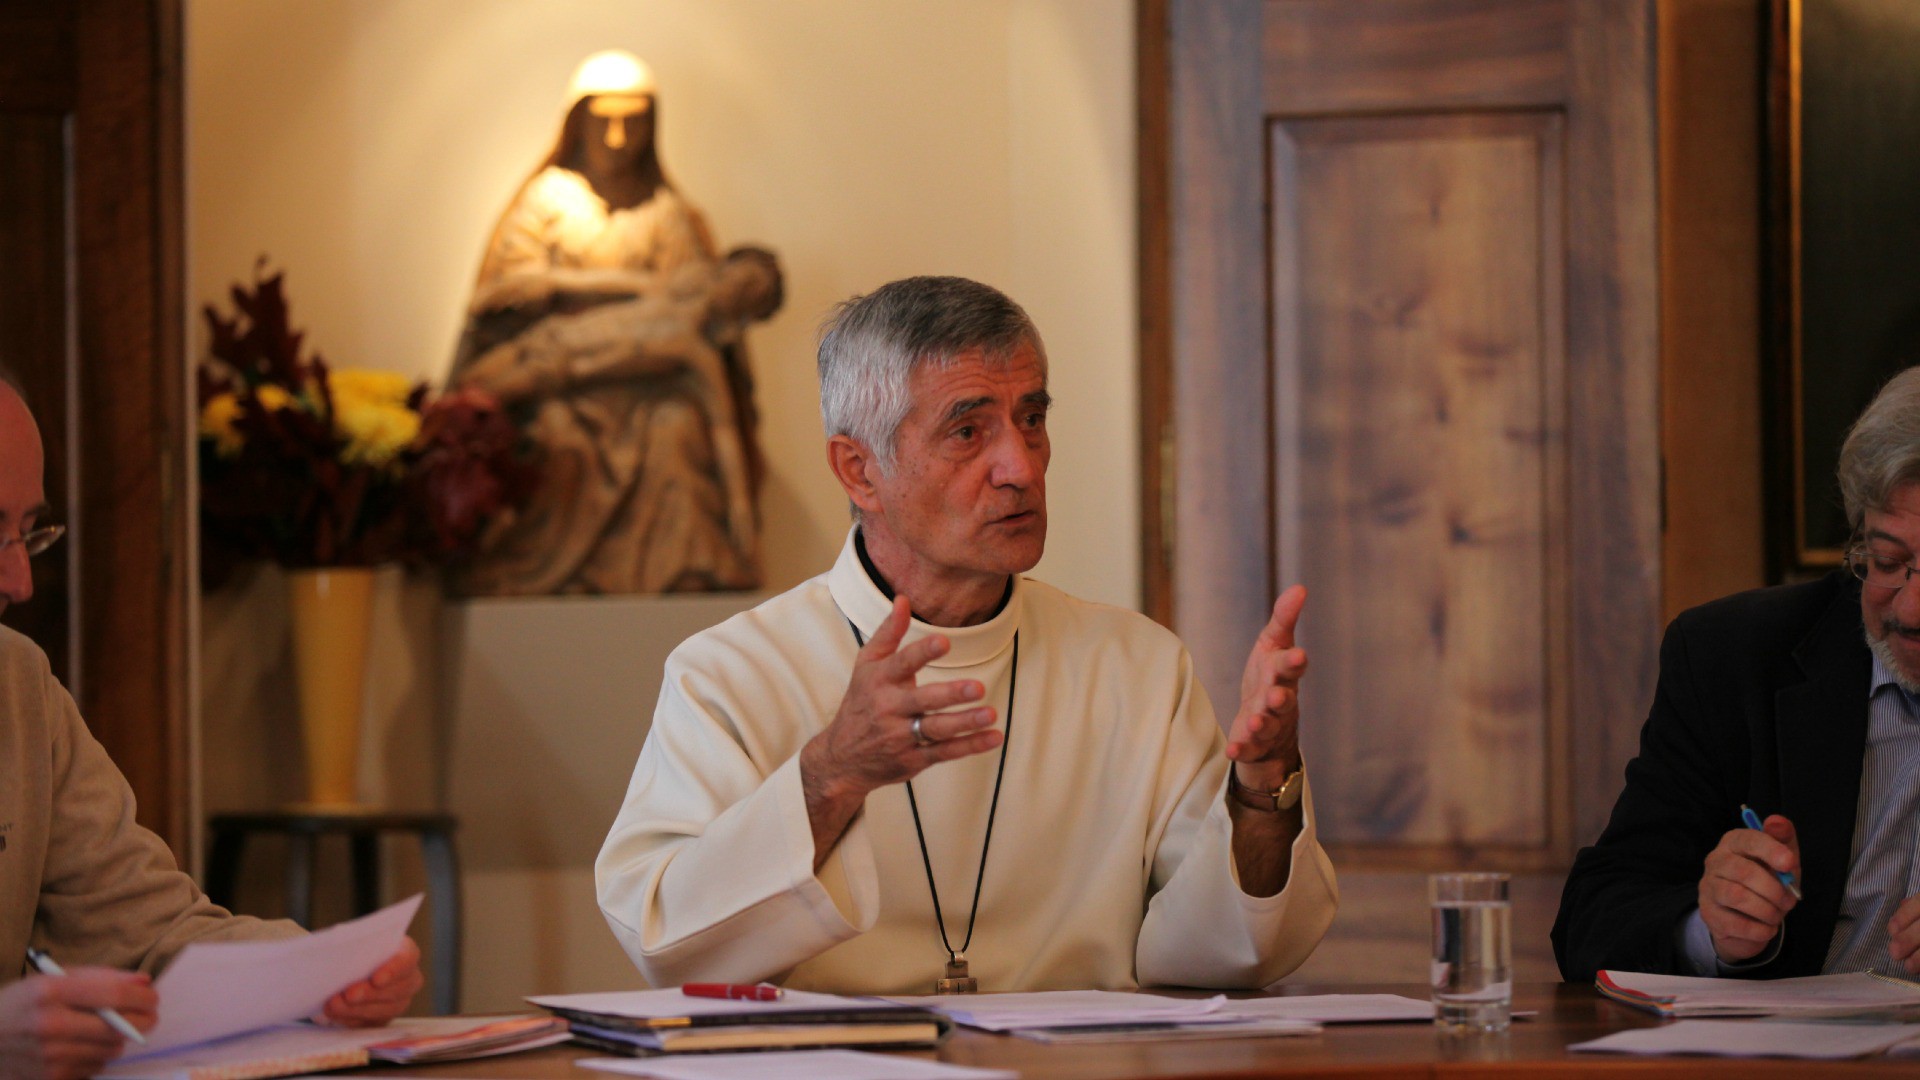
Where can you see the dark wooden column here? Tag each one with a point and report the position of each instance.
(90, 315)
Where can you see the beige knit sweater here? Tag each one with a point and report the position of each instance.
(78, 877)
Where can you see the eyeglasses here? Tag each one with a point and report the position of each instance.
(1879, 571)
(34, 542)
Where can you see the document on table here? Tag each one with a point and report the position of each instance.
(794, 1065)
(218, 988)
(1067, 1008)
(300, 1048)
(657, 1004)
(1332, 1008)
(1755, 1038)
(1853, 994)
(275, 1051)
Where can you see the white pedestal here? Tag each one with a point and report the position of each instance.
(547, 703)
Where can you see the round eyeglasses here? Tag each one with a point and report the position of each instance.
(1879, 571)
(35, 542)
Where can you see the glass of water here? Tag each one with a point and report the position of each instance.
(1472, 951)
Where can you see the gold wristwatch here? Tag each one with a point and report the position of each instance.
(1286, 797)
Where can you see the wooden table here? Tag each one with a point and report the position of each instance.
(1567, 1014)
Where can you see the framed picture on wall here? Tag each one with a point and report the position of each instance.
(1843, 244)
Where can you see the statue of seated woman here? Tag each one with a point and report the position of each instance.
(605, 321)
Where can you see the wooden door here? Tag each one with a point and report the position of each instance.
(1401, 345)
(90, 316)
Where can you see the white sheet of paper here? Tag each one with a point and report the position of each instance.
(1754, 1038)
(1065, 1008)
(1175, 1031)
(1332, 1008)
(794, 1065)
(652, 1004)
(218, 988)
(1699, 996)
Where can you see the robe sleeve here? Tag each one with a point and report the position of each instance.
(110, 893)
(708, 873)
(1201, 928)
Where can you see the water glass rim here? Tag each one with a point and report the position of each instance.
(1469, 887)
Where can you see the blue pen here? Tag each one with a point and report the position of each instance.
(1752, 821)
(44, 964)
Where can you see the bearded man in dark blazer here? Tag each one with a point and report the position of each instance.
(1802, 702)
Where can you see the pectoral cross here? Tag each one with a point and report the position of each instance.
(957, 980)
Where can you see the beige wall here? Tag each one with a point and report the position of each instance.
(368, 145)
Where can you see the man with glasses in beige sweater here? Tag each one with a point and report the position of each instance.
(79, 878)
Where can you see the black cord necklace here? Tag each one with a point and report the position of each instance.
(957, 981)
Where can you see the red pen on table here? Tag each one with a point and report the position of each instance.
(734, 991)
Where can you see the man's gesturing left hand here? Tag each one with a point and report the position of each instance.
(1265, 739)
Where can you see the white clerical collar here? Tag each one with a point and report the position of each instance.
(862, 602)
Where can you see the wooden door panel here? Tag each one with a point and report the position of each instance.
(1418, 363)
(1399, 336)
(1378, 56)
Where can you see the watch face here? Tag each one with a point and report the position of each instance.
(1289, 793)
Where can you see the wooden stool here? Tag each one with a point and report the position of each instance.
(363, 828)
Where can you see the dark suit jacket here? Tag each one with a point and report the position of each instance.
(1762, 699)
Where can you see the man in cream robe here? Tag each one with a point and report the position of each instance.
(765, 835)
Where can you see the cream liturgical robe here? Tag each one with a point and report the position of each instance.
(1111, 862)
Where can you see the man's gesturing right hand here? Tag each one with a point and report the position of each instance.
(48, 1027)
(870, 742)
(1741, 900)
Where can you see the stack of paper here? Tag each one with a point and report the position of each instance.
(1856, 995)
(286, 1049)
(798, 1065)
(1754, 1038)
(1102, 1015)
(668, 1021)
(462, 1039)
(1332, 1008)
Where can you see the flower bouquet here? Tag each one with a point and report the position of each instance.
(309, 466)
(330, 472)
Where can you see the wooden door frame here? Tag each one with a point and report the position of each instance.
(134, 523)
(111, 69)
(1205, 380)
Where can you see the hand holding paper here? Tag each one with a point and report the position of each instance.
(221, 988)
(381, 996)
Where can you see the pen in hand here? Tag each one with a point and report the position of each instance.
(45, 965)
(734, 991)
(1752, 821)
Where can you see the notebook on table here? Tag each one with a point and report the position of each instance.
(642, 1022)
(294, 1049)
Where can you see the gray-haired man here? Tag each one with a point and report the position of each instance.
(1802, 702)
(921, 769)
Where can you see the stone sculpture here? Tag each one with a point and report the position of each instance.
(605, 320)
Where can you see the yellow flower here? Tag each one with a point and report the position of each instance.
(370, 412)
(273, 397)
(376, 432)
(362, 386)
(216, 423)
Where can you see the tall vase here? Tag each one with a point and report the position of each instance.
(332, 616)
